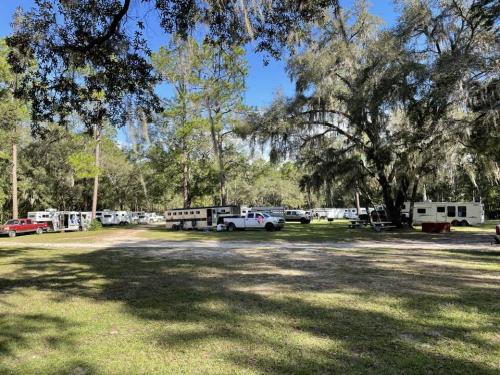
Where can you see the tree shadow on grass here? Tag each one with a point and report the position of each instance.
(265, 308)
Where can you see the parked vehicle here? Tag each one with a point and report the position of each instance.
(58, 221)
(497, 236)
(297, 215)
(15, 226)
(255, 220)
(456, 213)
(199, 217)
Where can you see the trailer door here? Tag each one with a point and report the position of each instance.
(441, 214)
(209, 217)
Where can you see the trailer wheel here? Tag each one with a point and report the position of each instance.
(39, 231)
(464, 223)
(175, 227)
(231, 227)
(269, 227)
(454, 222)
(12, 233)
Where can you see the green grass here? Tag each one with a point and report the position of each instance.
(249, 311)
(315, 232)
(59, 237)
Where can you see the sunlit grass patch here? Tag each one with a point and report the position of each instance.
(284, 311)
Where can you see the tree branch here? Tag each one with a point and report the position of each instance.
(112, 29)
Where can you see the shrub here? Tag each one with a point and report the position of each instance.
(95, 225)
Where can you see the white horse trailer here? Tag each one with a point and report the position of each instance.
(58, 221)
(123, 217)
(199, 217)
(108, 217)
(456, 213)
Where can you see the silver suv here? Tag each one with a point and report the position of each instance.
(297, 215)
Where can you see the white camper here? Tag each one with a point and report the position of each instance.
(456, 213)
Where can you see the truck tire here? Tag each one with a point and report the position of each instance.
(39, 231)
(269, 227)
(464, 223)
(12, 233)
(454, 223)
(303, 220)
(231, 227)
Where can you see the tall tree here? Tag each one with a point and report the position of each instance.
(12, 112)
(385, 103)
(222, 80)
(182, 126)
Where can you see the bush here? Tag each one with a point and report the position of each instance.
(95, 225)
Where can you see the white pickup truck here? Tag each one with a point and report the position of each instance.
(254, 220)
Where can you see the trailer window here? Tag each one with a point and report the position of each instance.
(197, 212)
(403, 207)
(192, 212)
(175, 213)
(462, 211)
(451, 211)
(421, 210)
(441, 209)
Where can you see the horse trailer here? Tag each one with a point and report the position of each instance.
(456, 213)
(199, 217)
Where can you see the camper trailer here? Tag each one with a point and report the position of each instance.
(199, 217)
(456, 213)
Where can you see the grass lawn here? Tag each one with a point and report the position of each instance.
(254, 310)
(316, 232)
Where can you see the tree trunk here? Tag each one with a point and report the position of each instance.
(392, 210)
(97, 138)
(185, 181)
(15, 211)
(217, 144)
(222, 178)
(358, 207)
(412, 202)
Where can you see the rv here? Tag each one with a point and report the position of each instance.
(199, 217)
(456, 213)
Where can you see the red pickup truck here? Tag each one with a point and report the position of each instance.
(15, 226)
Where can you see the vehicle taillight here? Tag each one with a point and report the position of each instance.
(498, 229)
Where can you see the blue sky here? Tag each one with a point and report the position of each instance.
(263, 81)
